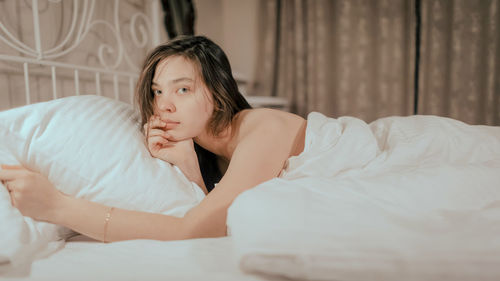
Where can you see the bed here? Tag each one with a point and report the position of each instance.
(83, 259)
(90, 50)
(407, 198)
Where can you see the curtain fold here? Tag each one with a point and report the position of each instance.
(357, 57)
(338, 57)
(460, 68)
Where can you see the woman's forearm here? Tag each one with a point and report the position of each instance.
(193, 173)
(89, 218)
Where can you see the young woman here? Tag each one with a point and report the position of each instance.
(193, 116)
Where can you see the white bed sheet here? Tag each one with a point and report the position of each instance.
(85, 259)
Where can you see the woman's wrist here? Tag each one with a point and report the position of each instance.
(193, 173)
(60, 207)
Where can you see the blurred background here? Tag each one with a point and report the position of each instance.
(365, 58)
(362, 58)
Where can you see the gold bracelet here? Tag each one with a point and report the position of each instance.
(107, 218)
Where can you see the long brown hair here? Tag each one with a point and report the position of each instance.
(215, 71)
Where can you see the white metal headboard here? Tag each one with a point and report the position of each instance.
(99, 42)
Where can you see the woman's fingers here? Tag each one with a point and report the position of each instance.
(11, 185)
(156, 122)
(8, 185)
(11, 174)
(158, 133)
(157, 142)
(9, 179)
(157, 137)
(12, 167)
(10, 188)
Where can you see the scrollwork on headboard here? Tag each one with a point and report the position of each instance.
(101, 42)
(83, 22)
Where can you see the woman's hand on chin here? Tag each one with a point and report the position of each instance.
(31, 192)
(177, 152)
(162, 146)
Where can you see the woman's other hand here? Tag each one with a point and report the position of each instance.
(30, 192)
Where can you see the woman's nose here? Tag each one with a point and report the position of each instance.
(165, 103)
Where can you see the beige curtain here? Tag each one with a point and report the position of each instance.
(357, 57)
(460, 63)
(338, 57)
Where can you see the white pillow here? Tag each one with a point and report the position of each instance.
(89, 147)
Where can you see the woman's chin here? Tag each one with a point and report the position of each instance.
(178, 138)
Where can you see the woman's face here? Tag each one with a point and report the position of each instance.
(181, 98)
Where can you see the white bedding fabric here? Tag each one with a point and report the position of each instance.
(415, 198)
(89, 147)
(199, 259)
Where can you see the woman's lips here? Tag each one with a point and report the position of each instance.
(171, 124)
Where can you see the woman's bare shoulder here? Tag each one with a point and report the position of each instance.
(267, 115)
(267, 120)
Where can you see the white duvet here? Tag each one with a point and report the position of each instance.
(402, 198)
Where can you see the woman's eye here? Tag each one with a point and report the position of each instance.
(182, 90)
(156, 92)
